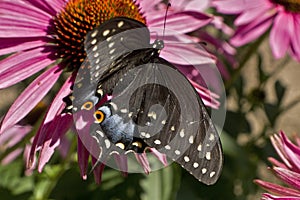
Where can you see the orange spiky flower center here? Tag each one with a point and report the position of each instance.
(79, 17)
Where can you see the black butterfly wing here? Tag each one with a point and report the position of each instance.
(112, 40)
(170, 116)
(105, 46)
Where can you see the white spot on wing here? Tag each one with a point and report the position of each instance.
(186, 159)
(95, 48)
(212, 174)
(191, 139)
(196, 165)
(107, 143)
(199, 147)
(157, 142)
(94, 41)
(106, 32)
(167, 147)
(94, 34)
(204, 170)
(207, 155)
(181, 133)
(177, 152)
(120, 24)
(100, 133)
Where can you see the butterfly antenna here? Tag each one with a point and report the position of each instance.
(168, 6)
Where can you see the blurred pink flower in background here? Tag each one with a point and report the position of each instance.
(256, 17)
(287, 170)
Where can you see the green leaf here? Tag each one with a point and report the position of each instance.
(161, 184)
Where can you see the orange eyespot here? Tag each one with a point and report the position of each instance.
(99, 116)
(87, 105)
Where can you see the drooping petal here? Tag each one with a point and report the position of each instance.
(98, 170)
(30, 97)
(142, 159)
(121, 161)
(54, 110)
(279, 37)
(161, 157)
(55, 131)
(83, 158)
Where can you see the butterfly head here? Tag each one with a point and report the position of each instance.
(158, 44)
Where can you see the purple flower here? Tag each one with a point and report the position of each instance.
(287, 170)
(256, 17)
(46, 39)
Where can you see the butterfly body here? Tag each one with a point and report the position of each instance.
(153, 104)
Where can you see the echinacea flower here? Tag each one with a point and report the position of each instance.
(287, 170)
(47, 38)
(256, 17)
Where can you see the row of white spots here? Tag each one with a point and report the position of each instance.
(100, 133)
(152, 114)
(120, 145)
(146, 135)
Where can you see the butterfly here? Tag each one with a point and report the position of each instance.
(153, 105)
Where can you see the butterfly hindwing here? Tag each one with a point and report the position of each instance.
(179, 126)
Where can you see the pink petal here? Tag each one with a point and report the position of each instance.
(13, 135)
(194, 5)
(98, 170)
(121, 161)
(13, 8)
(273, 197)
(161, 157)
(142, 159)
(21, 66)
(30, 97)
(278, 145)
(11, 45)
(55, 108)
(181, 22)
(288, 176)
(277, 189)
(250, 32)
(55, 131)
(295, 41)
(186, 54)
(229, 6)
(277, 163)
(252, 13)
(11, 156)
(279, 36)
(83, 158)
(291, 151)
(51, 7)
